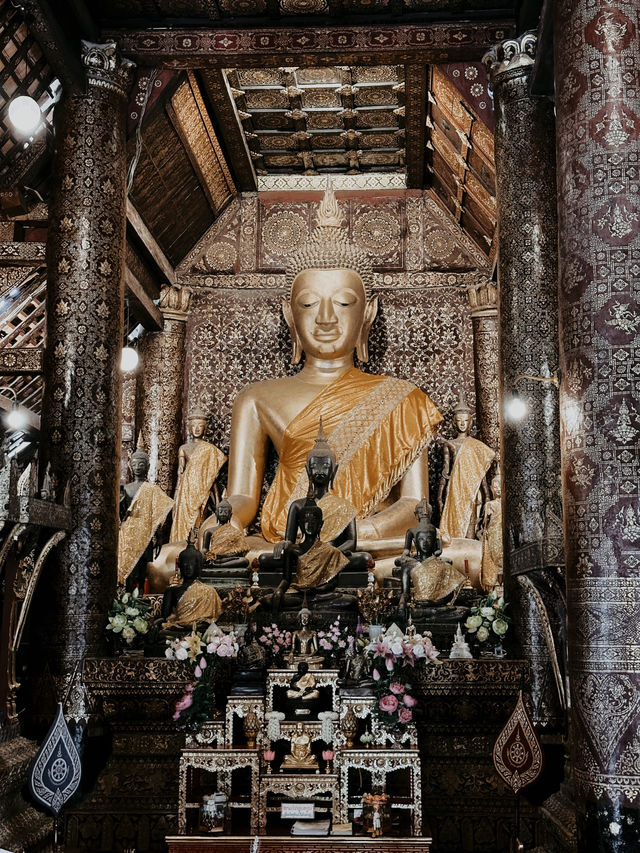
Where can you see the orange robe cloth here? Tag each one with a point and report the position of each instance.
(193, 489)
(377, 426)
(148, 510)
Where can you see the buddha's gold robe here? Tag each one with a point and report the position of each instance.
(336, 514)
(492, 545)
(149, 508)
(434, 579)
(200, 603)
(227, 540)
(377, 426)
(320, 564)
(469, 467)
(194, 485)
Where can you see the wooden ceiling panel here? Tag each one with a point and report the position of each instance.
(166, 191)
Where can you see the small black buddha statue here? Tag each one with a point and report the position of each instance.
(191, 601)
(225, 546)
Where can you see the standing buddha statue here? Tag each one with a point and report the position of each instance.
(143, 509)
(199, 463)
(466, 462)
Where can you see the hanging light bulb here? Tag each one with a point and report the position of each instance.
(129, 359)
(15, 418)
(24, 114)
(515, 408)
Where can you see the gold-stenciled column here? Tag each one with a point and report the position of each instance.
(81, 409)
(483, 301)
(160, 388)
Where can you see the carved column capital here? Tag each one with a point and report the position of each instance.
(483, 298)
(174, 302)
(105, 68)
(511, 58)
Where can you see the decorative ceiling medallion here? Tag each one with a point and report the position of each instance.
(220, 257)
(283, 232)
(517, 754)
(438, 244)
(376, 232)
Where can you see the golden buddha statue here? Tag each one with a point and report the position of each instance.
(378, 426)
(143, 509)
(300, 757)
(199, 463)
(192, 601)
(466, 462)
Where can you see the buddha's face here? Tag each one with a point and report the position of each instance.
(422, 544)
(190, 566)
(224, 513)
(197, 427)
(139, 466)
(327, 311)
(320, 470)
(461, 421)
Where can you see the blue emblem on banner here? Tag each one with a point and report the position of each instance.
(55, 775)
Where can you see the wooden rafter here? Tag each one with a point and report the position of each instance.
(149, 243)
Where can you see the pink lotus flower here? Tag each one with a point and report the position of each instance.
(375, 674)
(397, 688)
(388, 703)
(203, 662)
(198, 671)
(405, 715)
(410, 701)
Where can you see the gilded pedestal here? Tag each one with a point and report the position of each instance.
(532, 510)
(82, 397)
(598, 125)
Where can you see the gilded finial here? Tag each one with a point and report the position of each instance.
(139, 452)
(329, 215)
(192, 536)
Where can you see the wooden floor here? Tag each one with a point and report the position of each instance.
(276, 844)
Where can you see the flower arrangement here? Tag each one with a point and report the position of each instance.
(393, 656)
(488, 622)
(334, 640)
(276, 642)
(129, 618)
(206, 652)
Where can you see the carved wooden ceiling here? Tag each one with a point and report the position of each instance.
(314, 120)
(229, 90)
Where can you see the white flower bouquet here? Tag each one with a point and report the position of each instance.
(488, 622)
(129, 618)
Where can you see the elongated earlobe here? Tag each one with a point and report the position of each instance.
(296, 346)
(370, 313)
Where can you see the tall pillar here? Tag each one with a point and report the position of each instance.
(82, 394)
(483, 300)
(597, 57)
(527, 275)
(161, 379)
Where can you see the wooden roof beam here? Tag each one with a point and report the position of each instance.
(218, 92)
(142, 305)
(415, 119)
(150, 244)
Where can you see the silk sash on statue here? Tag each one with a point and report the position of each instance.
(470, 465)
(336, 514)
(194, 485)
(199, 603)
(320, 564)
(377, 426)
(149, 508)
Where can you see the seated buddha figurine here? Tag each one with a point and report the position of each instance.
(224, 546)
(312, 567)
(199, 463)
(303, 685)
(300, 757)
(379, 427)
(143, 509)
(427, 578)
(339, 516)
(192, 601)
